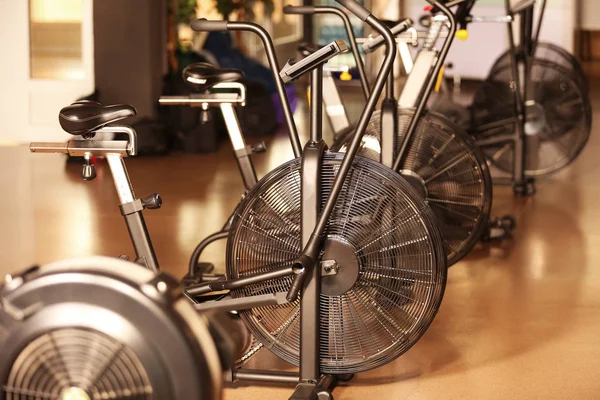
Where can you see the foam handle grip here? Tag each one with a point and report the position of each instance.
(301, 10)
(204, 25)
(355, 9)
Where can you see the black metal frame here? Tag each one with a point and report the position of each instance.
(520, 71)
(225, 101)
(313, 221)
(311, 383)
(426, 92)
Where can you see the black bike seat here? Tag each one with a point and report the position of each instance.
(85, 116)
(202, 76)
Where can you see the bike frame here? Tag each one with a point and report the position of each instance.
(306, 270)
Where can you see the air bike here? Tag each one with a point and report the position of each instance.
(335, 262)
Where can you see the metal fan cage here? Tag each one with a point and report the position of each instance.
(389, 235)
(558, 122)
(79, 364)
(548, 52)
(449, 171)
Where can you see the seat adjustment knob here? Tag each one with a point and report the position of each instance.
(152, 201)
(88, 172)
(259, 147)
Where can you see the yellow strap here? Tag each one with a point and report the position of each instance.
(438, 84)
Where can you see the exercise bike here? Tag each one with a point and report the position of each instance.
(532, 115)
(441, 161)
(371, 247)
(331, 200)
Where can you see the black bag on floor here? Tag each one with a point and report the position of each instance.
(258, 117)
(151, 137)
(187, 129)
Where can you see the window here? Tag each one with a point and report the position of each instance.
(55, 39)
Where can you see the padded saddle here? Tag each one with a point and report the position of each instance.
(202, 76)
(85, 116)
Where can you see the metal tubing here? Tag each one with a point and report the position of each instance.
(309, 303)
(316, 101)
(389, 88)
(271, 57)
(216, 286)
(241, 303)
(132, 145)
(49, 147)
(80, 148)
(521, 6)
(141, 240)
(352, 39)
(310, 251)
(201, 246)
(135, 221)
(120, 178)
(389, 131)
(403, 153)
(538, 28)
(526, 30)
(495, 140)
(519, 137)
(239, 146)
(265, 376)
(246, 169)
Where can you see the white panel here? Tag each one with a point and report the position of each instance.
(590, 15)
(473, 58)
(29, 108)
(14, 70)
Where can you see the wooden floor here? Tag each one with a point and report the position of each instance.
(519, 321)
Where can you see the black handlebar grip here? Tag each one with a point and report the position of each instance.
(301, 10)
(204, 25)
(355, 9)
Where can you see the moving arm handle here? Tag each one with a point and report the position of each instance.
(356, 9)
(309, 10)
(204, 25)
(292, 71)
(216, 26)
(374, 43)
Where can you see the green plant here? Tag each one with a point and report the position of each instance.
(186, 11)
(246, 7)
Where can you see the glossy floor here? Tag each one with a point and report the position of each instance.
(519, 320)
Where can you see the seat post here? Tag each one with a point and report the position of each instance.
(131, 209)
(235, 95)
(242, 155)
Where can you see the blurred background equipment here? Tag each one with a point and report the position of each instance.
(98, 327)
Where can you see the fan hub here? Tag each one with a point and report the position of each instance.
(346, 276)
(536, 118)
(415, 181)
(73, 393)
